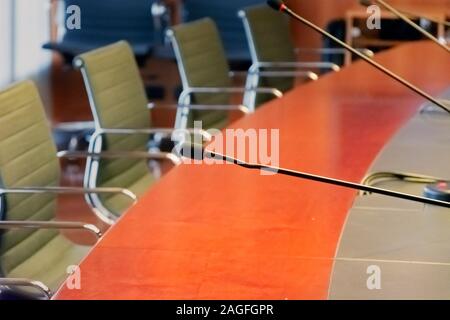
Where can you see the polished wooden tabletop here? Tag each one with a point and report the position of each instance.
(223, 232)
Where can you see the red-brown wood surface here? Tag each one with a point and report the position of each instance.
(222, 232)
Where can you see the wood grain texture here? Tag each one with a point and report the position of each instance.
(222, 232)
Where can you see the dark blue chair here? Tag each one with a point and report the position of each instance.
(225, 14)
(107, 21)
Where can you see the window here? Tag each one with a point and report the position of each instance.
(24, 27)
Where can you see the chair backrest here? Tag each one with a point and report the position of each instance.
(118, 100)
(27, 159)
(269, 37)
(105, 22)
(202, 63)
(224, 14)
(268, 34)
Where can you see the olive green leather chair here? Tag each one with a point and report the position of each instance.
(272, 50)
(123, 127)
(206, 76)
(34, 255)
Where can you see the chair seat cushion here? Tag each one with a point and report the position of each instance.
(49, 264)
(118, 203)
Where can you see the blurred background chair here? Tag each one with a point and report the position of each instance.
(273, 51)
(140, 22)
(223, 13)
(206, 77)
(34, 255)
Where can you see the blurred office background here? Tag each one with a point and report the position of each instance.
(26, 25)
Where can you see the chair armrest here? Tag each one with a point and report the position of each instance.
(280, 74)
(120, 155)
(274, 91)
(166, 131)
(182, 100)
(60, 225)
(336, 51)
(68, 190)
(296, 64)
(75, 126)
(17, 282)
(217, 107)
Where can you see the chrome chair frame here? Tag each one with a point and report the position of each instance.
(39, 225)
(265, 69)
(184, 101)
(336, 51)
(95, 154)
(20, 282)
(185, 105)
(257, 62)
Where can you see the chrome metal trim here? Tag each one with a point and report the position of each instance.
(121, 154)
(17, 282)
(95, 146)
(68, 190)
(249, 35)
(168, 131)
(254, 69)
(90, 181)
(206, 107)
(184, 99)
(89, 194)
(189, 91)
(282, 64)
(61, 225)
(181, 119)
(375, 177)
(280, 74)
(369, 53)
(75, 126)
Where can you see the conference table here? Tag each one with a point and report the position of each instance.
(225, 232)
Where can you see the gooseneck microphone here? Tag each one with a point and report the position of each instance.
(281, 6)
(197, 152)
(406, 19)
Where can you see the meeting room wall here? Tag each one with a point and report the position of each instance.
(24, 26)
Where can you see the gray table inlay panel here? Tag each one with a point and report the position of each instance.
(409, 241)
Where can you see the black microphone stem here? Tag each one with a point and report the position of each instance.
(412, 24)
(364, 57)
(341, 183)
